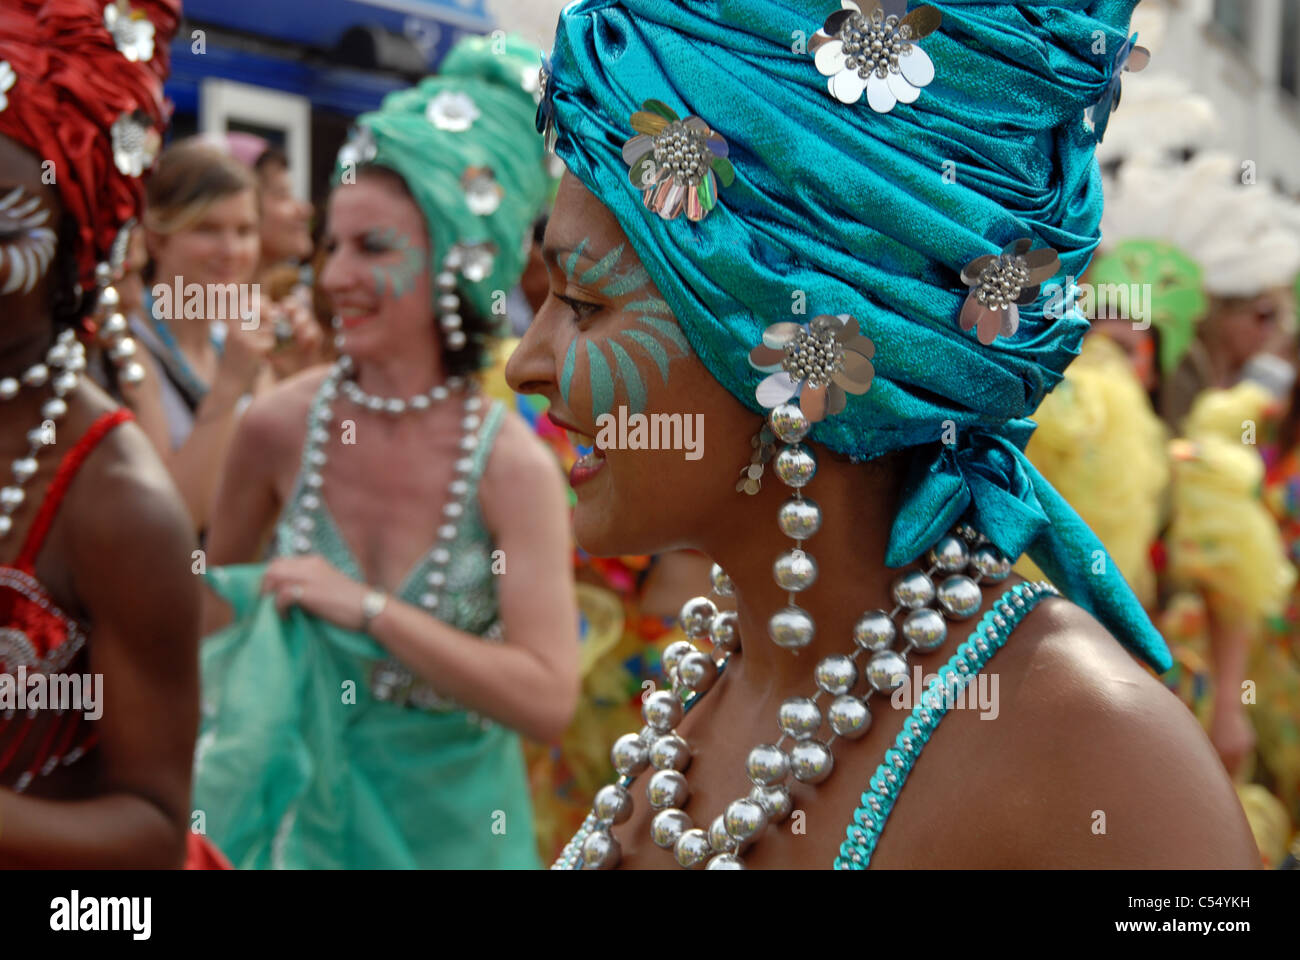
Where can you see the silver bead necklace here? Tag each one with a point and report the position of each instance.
(963, 557)
(392, 676)
(395, 406)
(61, 370)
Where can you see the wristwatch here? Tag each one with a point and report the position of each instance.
(372, 605)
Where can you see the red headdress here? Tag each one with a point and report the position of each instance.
(81, 85)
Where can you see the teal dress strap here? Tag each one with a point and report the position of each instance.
(965, 664)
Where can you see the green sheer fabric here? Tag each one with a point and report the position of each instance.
(300, 766)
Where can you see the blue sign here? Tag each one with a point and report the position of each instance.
(320, 23)
(432, 26)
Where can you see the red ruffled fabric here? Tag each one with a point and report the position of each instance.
(41, 623)
(200, 854)
(72, 84)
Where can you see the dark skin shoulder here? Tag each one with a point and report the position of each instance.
(1080, 727)
(119, 556)
(1090, 763)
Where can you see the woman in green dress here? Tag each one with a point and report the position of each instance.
(416, 616)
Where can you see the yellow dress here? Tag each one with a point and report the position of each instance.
(1227, 561)
(1102, 446)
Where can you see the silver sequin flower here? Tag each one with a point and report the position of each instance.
(677, 164)
(360, 148)
(453, 111)
(131, 30)
(546, 106)
(1000, 284)
(7, 80)
(1129, 58)
(818, 362)
(135, 143)
(473, 261)
(869, 45)
(483, 194)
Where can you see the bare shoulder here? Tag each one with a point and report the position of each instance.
(522, 477)
(128, 531)
(520, 457)
(1096, 763)
(277, 417)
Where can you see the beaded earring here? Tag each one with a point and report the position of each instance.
(751, 474)
(107, 323)
(472, 262)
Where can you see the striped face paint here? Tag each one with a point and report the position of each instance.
(627, 361)
(27, 243)
(398, 278)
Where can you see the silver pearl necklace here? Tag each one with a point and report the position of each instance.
(61, 370)
(964, 558)
(395, 406)
(311, 502)
(392, 681)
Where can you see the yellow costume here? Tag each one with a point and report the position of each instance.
(1229, 564)
(1101, 445)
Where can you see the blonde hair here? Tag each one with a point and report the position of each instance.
(191, 176)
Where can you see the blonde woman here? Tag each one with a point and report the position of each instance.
(206, 335)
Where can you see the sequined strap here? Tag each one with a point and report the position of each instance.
(63, 478)
(966, 662)
(487, 435)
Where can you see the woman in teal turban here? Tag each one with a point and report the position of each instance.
(365, 707)
(807, 240)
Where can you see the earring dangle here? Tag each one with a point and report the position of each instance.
(447, 301)
(472, 262)
(107, 323)
(751, 475)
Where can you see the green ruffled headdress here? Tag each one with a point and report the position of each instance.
(465, 146)
(1178, 300)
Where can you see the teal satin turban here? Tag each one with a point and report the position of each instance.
(874, 215)
(477, 113)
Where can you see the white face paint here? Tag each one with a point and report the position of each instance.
(27, 244)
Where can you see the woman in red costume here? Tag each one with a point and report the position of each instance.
(98, 604)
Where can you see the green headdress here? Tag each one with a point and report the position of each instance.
(465, 145)
(1177, 293)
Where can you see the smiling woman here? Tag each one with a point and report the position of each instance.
(810, 309)
(412, 668)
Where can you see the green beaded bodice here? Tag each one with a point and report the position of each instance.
(468, 597)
